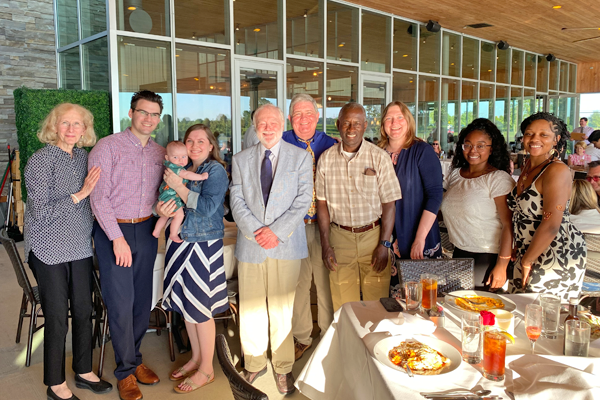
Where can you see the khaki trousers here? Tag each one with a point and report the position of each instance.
(354, 274)
(302, 322)
(266, 301)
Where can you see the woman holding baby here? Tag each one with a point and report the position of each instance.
(194, 278)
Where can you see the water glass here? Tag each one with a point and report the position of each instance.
(472, 338)
(412, 295)
(577, 338)
(551, 315)
(494, 353)
(429, 284)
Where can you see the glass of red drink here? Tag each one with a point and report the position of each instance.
(429, 283)
(533, 323)
(494, 352)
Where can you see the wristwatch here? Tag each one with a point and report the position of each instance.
(385, 243)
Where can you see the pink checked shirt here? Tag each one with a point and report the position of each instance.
(129, 181)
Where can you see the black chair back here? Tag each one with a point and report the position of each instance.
(241, 389)
(15, 259)
(459, 273)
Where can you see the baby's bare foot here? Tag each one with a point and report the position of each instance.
(175, 238)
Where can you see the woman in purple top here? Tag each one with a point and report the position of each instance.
(420, 174)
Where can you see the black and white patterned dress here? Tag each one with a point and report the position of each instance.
(560, 269)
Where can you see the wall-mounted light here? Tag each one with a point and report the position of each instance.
(256, 29)
(237, 27)
(502, 45)
(305, 13)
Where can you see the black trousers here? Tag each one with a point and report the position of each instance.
(484, 264)
(127, 292)
(59, 285)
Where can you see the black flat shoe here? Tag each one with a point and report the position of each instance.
(96, 387)
(54, 396)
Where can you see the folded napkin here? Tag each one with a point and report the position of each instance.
(555, 377)
(404, 324)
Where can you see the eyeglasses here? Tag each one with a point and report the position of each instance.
(478, 148)
(436, 144)
(146, 113)
(75, 125)
(593, 178)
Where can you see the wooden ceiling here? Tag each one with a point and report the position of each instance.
(531, 25)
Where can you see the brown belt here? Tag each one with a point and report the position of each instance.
(308, 221)
(360, 229)
(133, 220)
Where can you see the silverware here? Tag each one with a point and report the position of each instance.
(458, 392)
(462, 397)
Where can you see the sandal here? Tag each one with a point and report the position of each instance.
(184, 373)
(188, 381)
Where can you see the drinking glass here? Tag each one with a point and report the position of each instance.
(551, 315)
(494, 352)
(577, 338)
(472, 338)
(429, 284)
(412, 295)
(533, 323)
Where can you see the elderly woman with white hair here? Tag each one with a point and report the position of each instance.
(58, 243)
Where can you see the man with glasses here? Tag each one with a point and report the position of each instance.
(593, 177)
(131, 172)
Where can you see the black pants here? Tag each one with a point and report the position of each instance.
(484, 264)
(59, 285)
(127, 292)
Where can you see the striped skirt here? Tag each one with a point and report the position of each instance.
(194, 280)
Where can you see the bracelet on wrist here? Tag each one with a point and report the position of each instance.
(504, 257)
(75, 199)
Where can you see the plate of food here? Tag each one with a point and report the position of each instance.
(480, 301)
(424, 355)
(594, 322)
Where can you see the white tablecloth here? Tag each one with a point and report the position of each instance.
(446, 166)
(341, 366)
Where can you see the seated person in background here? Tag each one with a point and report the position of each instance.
(593, 149)
(579, 158)
(437, 149)
(176, 160)
(593, 176)
(585, 213)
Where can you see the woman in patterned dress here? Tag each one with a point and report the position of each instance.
(549, 252)
(194, 279)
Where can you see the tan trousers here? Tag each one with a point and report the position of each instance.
(353, 275)
(302, 322)
(266, 303)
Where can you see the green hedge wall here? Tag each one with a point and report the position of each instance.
(33, 105)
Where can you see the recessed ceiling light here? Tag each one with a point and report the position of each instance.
(404, 55)
(131, 8)
(557, 7)
(256, 29)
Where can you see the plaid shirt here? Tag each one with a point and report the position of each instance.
(354, 198)
(129, 180)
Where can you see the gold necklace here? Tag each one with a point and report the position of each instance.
(526, 173)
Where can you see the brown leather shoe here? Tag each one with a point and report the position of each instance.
(128, 389)
(145, 376)
(250, 377)
(285, 383)
(300, 348)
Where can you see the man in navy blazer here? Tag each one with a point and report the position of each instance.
(271, 191)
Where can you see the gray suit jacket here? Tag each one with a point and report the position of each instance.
(289, 200)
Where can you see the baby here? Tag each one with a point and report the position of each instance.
(176, 159)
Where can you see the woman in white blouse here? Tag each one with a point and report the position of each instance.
(474, 205)
(585, 214)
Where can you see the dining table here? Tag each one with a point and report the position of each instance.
(343, 365)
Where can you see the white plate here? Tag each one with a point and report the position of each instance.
(509, 305)
(383, 347)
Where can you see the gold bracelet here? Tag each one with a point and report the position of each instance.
(504, 258)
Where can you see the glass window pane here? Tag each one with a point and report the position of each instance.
(305, 77)
(66, 19)
(429, 51)
(428, 107)
(214, 29)
(470, 63)
(488, 61)
(486, 101)
(144, 64)
(342, 85)
(151, 16)
(573, 78)
(304, 28)
(257, 29)
(93, 17)
(517, 67)
(501, 109)
(528, 103)
(553, 105)
(554, 75)
(503, 61)
(203, 93)
(70, 71)
(451, 54)
(405, 45)
(542, 74)
(404, 89)
(258, 87)
(375, 42)
(530, 70)
(342, 32)
(564, 76)
(516, 113)
(450, 113)
(468, 105)
(374, 102)
(95, 65)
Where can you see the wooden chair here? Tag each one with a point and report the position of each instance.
(459, 273)
(31, 296)
(240, 388)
